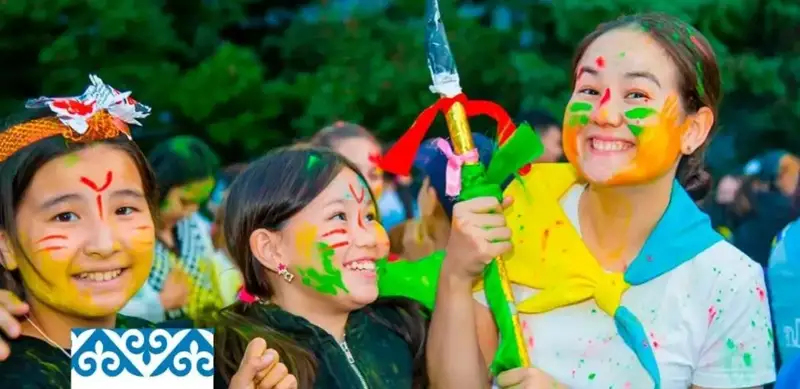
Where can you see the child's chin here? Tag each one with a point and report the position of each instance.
(363, 294)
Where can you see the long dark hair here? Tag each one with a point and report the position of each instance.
(699, 80)
(268, 193)
(17, 172)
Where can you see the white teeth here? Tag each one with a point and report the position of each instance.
(100, 276)
(603, 145)
(361, 265)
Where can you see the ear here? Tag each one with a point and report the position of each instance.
(699, 125)
(264, 245)
(7, 259)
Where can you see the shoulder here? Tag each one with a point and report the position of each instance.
(723, 258)
(34, 364)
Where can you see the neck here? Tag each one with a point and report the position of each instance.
(619, 219)
(319, 313)
(58, 325)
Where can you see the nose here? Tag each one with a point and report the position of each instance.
(607, 113)
(102, 243)
(364, 235)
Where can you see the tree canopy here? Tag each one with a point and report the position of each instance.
(248, 75)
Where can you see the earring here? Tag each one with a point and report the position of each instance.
(283, 271)
(687, 150)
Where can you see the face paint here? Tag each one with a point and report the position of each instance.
(600, 62)
(305, 243)
(358, 197)
(99, 190)
(86, 254)
(329, 279)
(639, 114)
(338, 231)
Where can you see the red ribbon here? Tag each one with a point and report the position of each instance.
(400, 157)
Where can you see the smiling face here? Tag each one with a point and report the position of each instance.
(86, 231)
(624, 124)
(332, 244)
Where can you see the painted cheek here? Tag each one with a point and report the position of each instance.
(305, 243)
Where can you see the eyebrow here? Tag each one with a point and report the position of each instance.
(646, 75)
(127, 193)
(47, 204)
(334, 201)
(585, 69)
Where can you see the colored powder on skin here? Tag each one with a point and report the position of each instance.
(640, 113)
(304, 242)
(329, 281)
(580, 115)
(580, 106)
(70, 160)
(622, 54)
(606, 97)
(600, 61)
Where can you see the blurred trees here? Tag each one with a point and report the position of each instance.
(249, 74)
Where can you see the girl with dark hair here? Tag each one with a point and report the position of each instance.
(301, 223)
(76, 205)
(618, 278)
(77, 200)
(182, 283)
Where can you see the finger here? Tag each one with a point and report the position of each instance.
(275, 375)
(511, 377)
(488, 220)
(507, 202)
(12, 303)
(248, 369)
(497, 249)
(272, 355)
(9, 324)
(290, 382)
(5, 351)
(498, 234)
(477, 205)
(255, 349)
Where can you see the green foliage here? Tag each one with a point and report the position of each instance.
(247, 92)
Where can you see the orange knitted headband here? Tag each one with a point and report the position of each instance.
(101, 112)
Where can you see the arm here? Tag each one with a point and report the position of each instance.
(454, 357)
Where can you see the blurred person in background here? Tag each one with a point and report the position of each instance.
(419, 237)
(783, 275)
(362, 148)
(181, 282)
(229, 277)
(549, 129)
(719, 207)
(764, 204)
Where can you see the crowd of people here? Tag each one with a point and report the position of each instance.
(630, 267)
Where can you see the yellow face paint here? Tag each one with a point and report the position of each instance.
(658, 140)
(305, 240)
(88, 253)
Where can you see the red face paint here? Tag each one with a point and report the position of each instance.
(142, 228)
(336, 231)
(360, 217)
(51, 237)
(99, 190)
(50, 248)
(339, 245)
(600, 62)
(359, 198)
(606, 97)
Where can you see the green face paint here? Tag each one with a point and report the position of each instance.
(71, 159)
(639, 114)
(579, 111)
(329, 279)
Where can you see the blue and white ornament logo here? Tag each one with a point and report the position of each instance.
(133, 358)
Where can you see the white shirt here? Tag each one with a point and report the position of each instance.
(708, 321)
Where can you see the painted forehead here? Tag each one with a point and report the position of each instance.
(627, 50)
(91, 169)
(347, 186)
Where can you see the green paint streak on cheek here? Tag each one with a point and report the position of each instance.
(580, 106)
(640, 113)
(635, 130)
(329, 280)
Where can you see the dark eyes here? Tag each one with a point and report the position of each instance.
(341, 216)
(589, 91)
(124, 211)
(66, 217)
(630, 95)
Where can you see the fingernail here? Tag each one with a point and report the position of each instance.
(269, 357)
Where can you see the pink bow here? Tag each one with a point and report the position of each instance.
(454, 163)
